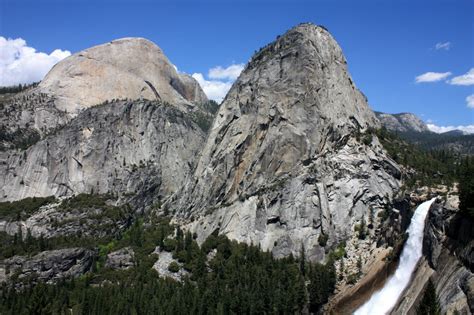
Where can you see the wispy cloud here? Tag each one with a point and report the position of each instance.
(465, 79)
(443, 46)
(432, 77)
(470, 101)
(468, 129)
(219, 80)
(20, 63)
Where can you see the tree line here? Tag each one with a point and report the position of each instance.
(224, 277)
(17, 88)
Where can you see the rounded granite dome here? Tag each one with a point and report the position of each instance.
(127, 68)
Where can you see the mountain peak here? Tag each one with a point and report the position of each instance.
(264, 170)
(126, 68)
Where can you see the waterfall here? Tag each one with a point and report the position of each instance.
(384, 300)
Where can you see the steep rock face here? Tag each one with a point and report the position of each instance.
(127, 68)
(48, 266)
(283, 162)
(26, 117)
(121, 147)
(403, 122)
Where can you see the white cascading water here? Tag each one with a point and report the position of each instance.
(384, 300)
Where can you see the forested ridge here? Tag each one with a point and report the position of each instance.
(224, 277)
(429, 167)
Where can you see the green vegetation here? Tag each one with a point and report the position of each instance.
(225, 277)
(450, 141)
(22, 209)
(21, 138)
(174, 267)
(211, 106)
(203, 120)
(466, 186)
(16, 88)
(429, 304)
(21, 244)
(323, 239)
(100, 217)
(362, 229)
(87, 202)
(432, 167)
(322, 283)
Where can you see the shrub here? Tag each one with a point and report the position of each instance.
(174, 267)
(352, 278)
(323, 239)
(169, 244)
(22, 209)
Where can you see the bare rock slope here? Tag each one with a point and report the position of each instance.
(288, 158)
(128, 68)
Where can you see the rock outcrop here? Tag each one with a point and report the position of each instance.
(48, 266)
(403, 122)
(288, 157)
(121, 259)
(60, 219)
(127, 68)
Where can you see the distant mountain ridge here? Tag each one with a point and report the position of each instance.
(411, 128)
(402, 122)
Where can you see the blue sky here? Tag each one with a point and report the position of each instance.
(387, 43)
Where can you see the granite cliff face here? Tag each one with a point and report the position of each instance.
(122, 147)
(71, 134)
(284, 161)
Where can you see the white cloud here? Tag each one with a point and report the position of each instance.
(432, 77)
(20, 63)
(214, 89)
(219, 81)
(445, 46)
(465, 79)
(231, 73)
(470, 101)
(469, 129)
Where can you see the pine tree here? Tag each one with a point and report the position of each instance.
(303, 261)
(429, 304)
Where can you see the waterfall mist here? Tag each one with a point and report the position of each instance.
(384, 300)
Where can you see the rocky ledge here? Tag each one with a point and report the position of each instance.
(47, 266)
